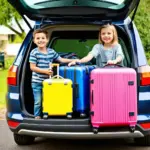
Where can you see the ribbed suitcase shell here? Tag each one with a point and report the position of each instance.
(57, 97)
(113, 97)
(80, 76)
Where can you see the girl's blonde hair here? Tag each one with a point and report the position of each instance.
(115, 35)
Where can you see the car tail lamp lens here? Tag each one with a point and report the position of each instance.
(13, 124)
(144, 75)
(145, 125)
(12, 75)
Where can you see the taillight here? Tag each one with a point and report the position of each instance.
(145, 125)
(12, 75)
(144, 75)
(13, 124)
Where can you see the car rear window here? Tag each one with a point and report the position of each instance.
(79, 42)
(40, 4)
(79, 46)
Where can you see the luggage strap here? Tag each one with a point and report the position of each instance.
(65, 72)
(76, 85)
(75, 90)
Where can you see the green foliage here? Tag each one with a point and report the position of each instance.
(142, 21)
(3, 87)
(9, 61)
(3, 77)
(7, 12)
(17, 39)
(9, 15)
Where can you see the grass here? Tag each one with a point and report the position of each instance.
(3, 87)
(3, 80)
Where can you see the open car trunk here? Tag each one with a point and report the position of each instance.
(78, 39)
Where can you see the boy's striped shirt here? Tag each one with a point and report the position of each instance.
(42, 61)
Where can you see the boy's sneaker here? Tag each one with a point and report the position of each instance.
(37, 117)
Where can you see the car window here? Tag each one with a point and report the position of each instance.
(79, 46)
(40, 4)
(82, 42)
(34, 2)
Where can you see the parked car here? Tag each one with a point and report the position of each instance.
(2, 59)
(73, 26)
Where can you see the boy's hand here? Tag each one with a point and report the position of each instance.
(48, 72)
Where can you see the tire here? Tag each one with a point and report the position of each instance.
(144, 141)
(23, 139)
(95, 130)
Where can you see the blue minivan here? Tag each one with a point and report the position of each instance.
(73, 26)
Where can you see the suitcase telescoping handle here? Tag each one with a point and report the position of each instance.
(55, 65)
(112, 66)
(57, 76)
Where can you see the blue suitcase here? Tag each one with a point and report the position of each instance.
(80, 76)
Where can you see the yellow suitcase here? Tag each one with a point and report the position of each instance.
(57, 97)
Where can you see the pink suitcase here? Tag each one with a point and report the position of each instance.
(113, 98)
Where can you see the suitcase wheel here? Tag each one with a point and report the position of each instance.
(82, 115)
(132, 128)
(69, 116)
(95, 130)
(45, 116)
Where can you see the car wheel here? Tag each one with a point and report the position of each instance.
(144, 141)
(23, 139)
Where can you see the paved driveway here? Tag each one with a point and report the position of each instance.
(7, 143)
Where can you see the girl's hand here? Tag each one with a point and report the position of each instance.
(112, 62)
(74, 62)
(115, 61)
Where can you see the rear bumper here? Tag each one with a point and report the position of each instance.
(73, 129)
(82, 135)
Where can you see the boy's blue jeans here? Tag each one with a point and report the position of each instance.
(37, 93)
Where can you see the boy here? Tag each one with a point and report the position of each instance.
(40, 59)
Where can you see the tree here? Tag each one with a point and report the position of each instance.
(7, 15)
(142, 21)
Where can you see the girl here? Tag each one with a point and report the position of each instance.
(108, 51)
